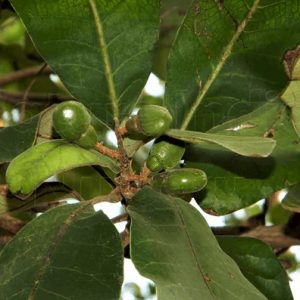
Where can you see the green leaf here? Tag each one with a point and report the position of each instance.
(50, 158)
(235, 182)
(243, 145)
(107, 78)
(70, 252)
(259, 265)
(291, 201)
(45, 126)
(46, 193)
(291, 97)
(228, 56)
(172, 13)
(86, 181)
(132, 146)
(16, 139)
(277, 215)
(172, 245)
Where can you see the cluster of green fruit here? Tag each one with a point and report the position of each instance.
(72, 121)
(166, 153)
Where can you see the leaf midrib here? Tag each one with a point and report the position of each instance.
(106, 60)
(223, 59)
(47, 260)
(192, 248)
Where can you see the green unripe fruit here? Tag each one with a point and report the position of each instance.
(164, 155)
(154, 164)
(151, 120)
(181, 181)
(88, 139)
(70, 120)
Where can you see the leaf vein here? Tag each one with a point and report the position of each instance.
(220, 65)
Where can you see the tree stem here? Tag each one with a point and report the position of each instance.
(23, 74)
(34, 99)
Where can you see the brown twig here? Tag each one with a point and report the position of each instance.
(10, 224)
(125, 178)
(275, 236)
(290, 58)
(230, 230)
(128, 181)
(35, 99)
(286, 264)
(27, 91)
(125, 237)
(122, 131)
(107, 151)
(3, 189)
(120, 218)
(123, 156)
(113, 197)
(23, 74)
(44, 136)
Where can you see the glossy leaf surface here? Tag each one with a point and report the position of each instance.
(180, 253)
(67, 36)
(228, 57)
(50, 158)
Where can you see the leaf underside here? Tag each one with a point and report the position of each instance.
(243, 145)
(235, 182)
(48, 159)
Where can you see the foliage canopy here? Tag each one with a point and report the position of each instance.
(226, 133)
